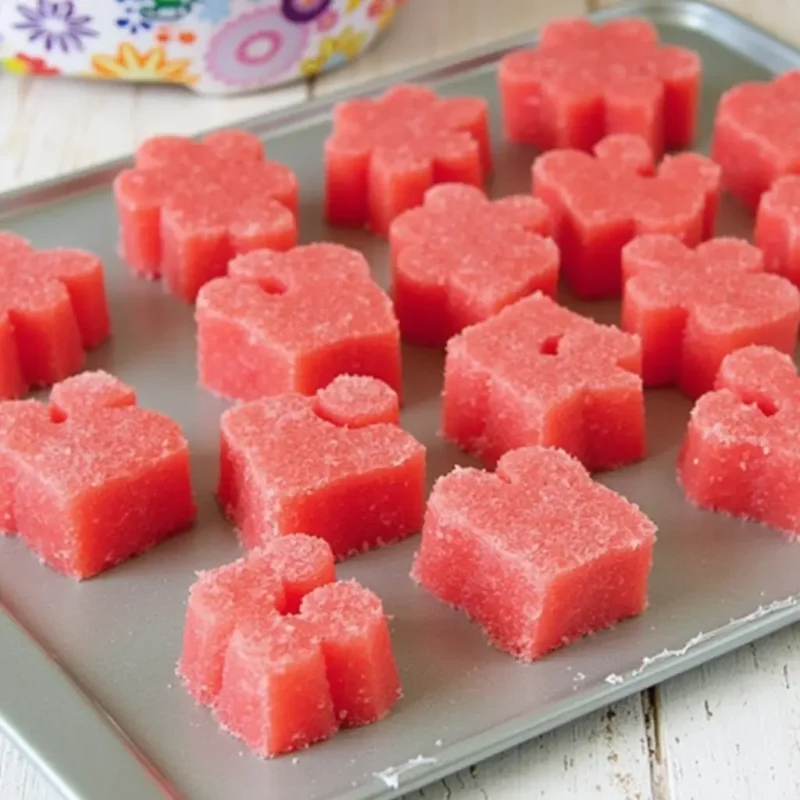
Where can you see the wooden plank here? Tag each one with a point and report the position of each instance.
(49, 127)
(18, 778)
(425, 30)
(732, 727)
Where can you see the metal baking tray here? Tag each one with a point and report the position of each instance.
(87, 684)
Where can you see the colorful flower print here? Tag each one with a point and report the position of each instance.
(131, 20)
(130, 64)
(303, 10)
(56, 25)
(334, 50)
(328, 20)
(28, 65)
(214, 10)
(255, 48)
(383, 11)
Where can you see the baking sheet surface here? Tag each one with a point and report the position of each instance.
(716, 582)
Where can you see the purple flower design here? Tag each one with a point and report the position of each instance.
(303, 10)
(55, 24)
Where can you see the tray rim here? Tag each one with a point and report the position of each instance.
(716, 23)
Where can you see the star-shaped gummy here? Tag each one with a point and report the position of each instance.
(459, 258)
(536, 553)
(52, 308)
(600, 201)
(757, 135)
(584, 82)
(740, 454)
(385, 153)
(691, 308)
(188, 207)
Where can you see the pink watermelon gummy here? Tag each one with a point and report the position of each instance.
(52, 309)
(188, 207)
(537, 553)
(692, 308)
(459, 258)
(584, 81)
(355, 401)
(740, 452)
(599, 203)
(92, 479)
(283, 653)
(293, 464)
(777, 231)
(538, 374)
(755, 135)
(384, 154)
(292, 322)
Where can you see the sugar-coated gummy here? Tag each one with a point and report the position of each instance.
(292, 322)
(91, 479)
(283, 653)
(52, 309)
(459, 258)
(691, 308)
(584, 81)
(740, 453)
(600, 202)
(385, 153)
(539, 374)
(755, 135)
(187, 207)
(294, 464)
(777, 229)
(536, 553)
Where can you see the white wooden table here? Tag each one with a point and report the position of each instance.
(730, 729)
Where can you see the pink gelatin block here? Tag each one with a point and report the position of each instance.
(459, 258)
(289, 465)
(292, 322)
(92, 479)
(777, 231)
(755, 135)
(600, 202)
(187, 207)
(740, 453)
(585, 81)
(283, 653)
(385, 153)
(536, 553)
(691, 308)
(52, 309)
(538, 374)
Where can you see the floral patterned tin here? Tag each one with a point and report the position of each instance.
(212, 46)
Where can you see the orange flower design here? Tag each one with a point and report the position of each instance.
(130, 64)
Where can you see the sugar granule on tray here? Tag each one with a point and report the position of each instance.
(283, 653)
(384, 153)
(292, 322)
(91, 479)
(537, 553)
(52, 309)
(584, 81)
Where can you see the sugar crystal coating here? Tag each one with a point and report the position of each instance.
(355, 401)
(777, 231)
(385, 153)
(691, 308)
(585, 81)
(92, 479)
(601, 202)
(52, 309)
(755, 135)
(538, 374)
(283, 653)
(188, 207)
(536, 553)
(459, 258)
(740, 453)
(286, 468)
(292, 322)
